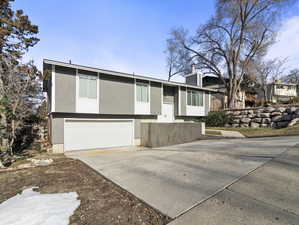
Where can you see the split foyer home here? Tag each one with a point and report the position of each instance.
(92, 108)
(279, 92)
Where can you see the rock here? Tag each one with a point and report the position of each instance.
(227, 125)
(245, 120)
(275, 114)
(282, 124)
(280, 109)
(257, 120)
(254, 125)
(291, 110)
(244, 112)
(266, 121)
(263, 125)
(297, 112)
(250, 112)
(287, 117)
(293, 122)
(269, 110)
(236, 113)
(250, 115)
(235, 125)
(265, 115)
(277, 118)
(244, 125)
(236, 120)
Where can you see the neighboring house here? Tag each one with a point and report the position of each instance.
(279, 92)
(91, 108)
(219, 99)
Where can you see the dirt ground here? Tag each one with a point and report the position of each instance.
(102, 202)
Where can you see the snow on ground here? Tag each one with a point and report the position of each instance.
(34, 208)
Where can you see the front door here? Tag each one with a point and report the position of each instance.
(167, 112)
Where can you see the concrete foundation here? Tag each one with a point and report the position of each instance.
(164, 134)
(58, 148)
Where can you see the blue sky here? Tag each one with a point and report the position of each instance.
(127, 36)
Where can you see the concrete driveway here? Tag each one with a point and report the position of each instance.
(178, 178)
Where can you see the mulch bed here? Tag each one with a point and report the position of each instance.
(102, 202)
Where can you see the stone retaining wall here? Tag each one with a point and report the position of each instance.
(276, 117)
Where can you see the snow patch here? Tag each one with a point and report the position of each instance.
(34, 208)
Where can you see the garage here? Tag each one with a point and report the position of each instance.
(93, 134)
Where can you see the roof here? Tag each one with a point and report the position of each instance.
(121, 74)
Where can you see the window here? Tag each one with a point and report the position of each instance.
(87, 86)
(142, 92)
(194, 98)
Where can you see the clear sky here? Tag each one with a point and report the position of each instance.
(126, 35)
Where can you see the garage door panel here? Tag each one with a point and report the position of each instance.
(80, 135)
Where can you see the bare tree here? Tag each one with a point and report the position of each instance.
(240, 31)
(292, 77)
(266, 72)
(21, 93)
(178, 61)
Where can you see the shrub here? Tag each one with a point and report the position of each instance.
(217, 119)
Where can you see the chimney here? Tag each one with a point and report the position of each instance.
(194, 78)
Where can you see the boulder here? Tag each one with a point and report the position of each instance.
(297, 112)
(265, 115)
(236, 120)
(287, 117)
(244, 125)
(245, 120)
(275, 114)
(236, 113)
(235, 125)
(291, 110)
(269, 110)
(250, 112)
(254, 125)
(266, 121)
(293, 122)
(257, 120)
(282, 124)
(263, 125)
(244, 112)
(280, 109)
(277, 118)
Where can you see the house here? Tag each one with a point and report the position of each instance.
(278, 92)
(92, 108)
(219, 98)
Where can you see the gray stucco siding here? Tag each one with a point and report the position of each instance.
(116, 95)
(183, 101)
(207, 103)
(57, 129)
(156, 98)
(65, 89)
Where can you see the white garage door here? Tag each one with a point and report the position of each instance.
(92, 134)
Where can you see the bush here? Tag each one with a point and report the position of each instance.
(217, 119)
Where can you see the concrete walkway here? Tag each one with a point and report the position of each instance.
(178, 178)
(228, 133)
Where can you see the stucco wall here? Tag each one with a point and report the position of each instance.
(57, 130)
(183, 101)
(116, 95)
(156, 101)
(163, 134)
(65, 89)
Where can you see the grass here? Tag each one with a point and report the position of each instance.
(263, 132)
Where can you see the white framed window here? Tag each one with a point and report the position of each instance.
(142, 92)
(87, 86)
(194, 98)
